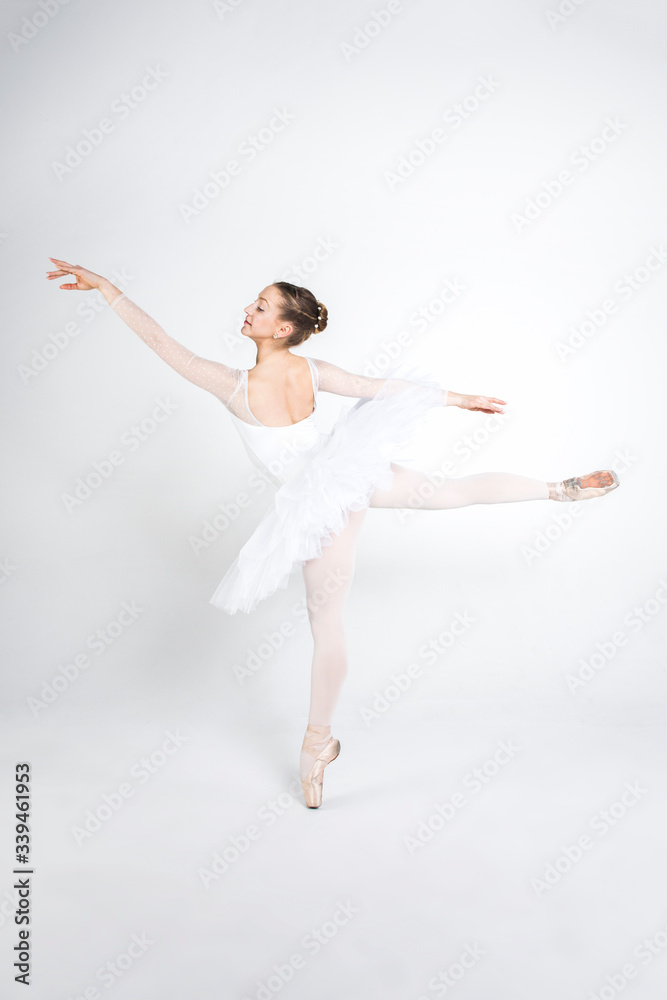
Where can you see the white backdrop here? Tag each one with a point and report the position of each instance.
(477, 188)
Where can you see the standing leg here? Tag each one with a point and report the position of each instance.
(328, 580)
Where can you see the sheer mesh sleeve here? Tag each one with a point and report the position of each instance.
(219, 379)
(331, 378)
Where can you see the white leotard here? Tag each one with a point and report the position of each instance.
(280, 452)
(321, 478)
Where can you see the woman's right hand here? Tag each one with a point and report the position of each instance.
(85, 280)
(486, 404)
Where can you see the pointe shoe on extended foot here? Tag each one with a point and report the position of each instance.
(595, 484)
(311, 785)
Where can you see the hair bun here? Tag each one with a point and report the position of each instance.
(299, 307)
(322, 317)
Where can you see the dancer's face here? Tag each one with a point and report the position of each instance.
(263, 316)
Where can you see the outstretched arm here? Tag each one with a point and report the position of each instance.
(215, 377)
(335, 379)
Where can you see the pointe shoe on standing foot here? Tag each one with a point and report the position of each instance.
(595, 484)
(322, 748)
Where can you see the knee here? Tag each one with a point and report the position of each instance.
(329, 599)
(326, 623)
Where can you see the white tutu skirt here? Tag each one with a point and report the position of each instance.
(340, 475)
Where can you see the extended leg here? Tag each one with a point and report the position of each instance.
(416, 490)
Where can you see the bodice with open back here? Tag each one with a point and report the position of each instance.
(320, 477)
(280, 452)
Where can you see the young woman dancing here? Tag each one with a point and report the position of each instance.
(325, 482)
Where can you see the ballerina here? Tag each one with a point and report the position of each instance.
(325, 482)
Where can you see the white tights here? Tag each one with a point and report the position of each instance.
(329, 577)
(416, 490)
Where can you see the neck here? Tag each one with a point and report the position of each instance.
(272, 353)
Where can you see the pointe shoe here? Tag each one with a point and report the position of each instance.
(311, 785)
(595, 484)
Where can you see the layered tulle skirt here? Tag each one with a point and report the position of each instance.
(339, 475)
